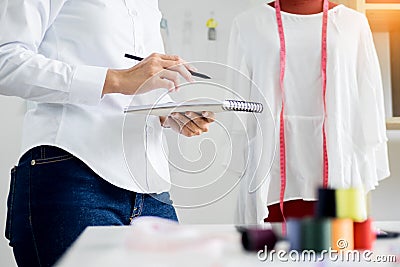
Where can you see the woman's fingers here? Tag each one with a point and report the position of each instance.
(182, 70)
(178, 126)
(164, 83)
(188, 127)
(208, 115)
(171, 76)
(176, 64)
(171, 123)
(190, 124)
(166, 57)
(201, 122)
(170, 67)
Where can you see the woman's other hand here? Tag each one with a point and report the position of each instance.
(189, 124)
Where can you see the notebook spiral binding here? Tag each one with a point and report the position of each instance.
(236, 105)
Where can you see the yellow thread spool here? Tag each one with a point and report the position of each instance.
(351, 204)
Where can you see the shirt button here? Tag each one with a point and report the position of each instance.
(150, 130)
(140, 50)
(33, 162)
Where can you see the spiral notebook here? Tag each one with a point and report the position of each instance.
(196, 106)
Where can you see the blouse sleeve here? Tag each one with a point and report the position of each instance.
(25, 73)
(239, 89)
(238, 77)
(371, 102)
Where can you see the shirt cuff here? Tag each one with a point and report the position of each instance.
(87, 85)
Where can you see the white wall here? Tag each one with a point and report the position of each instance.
(11, 115)
(382, 45)
(386, 197)
(188, 31)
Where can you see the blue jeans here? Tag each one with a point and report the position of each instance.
(54, 197)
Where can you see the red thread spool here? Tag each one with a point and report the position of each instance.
(364, 236)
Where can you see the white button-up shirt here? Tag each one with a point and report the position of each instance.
(56, 53)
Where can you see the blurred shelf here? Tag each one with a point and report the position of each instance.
(381, 6)
(393, 123)
(384, 16)
(382, 1)
(384, 20)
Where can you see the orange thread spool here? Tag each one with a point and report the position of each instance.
(342, 232)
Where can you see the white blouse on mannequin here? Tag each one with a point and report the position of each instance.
(356, 133)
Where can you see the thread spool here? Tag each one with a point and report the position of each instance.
(326, 205)
(342, 234)
(351, 204)
(364, 236)
(294, 234)
(258, 239)
(316, 234)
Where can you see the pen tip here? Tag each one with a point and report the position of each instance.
(200, 75)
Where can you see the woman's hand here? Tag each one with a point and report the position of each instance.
(155, 71)
(189, 124)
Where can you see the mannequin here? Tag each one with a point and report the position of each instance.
(296, 208)
(334, 135)
(302, 7)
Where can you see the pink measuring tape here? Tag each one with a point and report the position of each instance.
(282, 119)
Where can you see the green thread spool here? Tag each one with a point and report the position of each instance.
(316, 234)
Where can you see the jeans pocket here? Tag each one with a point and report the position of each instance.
(56, 159)
(10, 204)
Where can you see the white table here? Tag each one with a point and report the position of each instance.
(109, 246)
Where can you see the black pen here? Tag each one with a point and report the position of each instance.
(196, 74)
